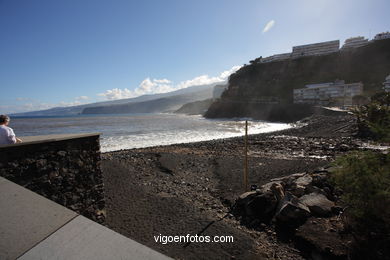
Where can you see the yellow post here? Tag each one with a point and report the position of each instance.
(246, 157)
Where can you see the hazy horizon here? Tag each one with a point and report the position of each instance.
(76, 52)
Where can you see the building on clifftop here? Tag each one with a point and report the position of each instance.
(382, 36)
(277, 57)
(321, 48)
(331, 93)
(354, 42)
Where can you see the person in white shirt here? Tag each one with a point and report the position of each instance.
(7, 135)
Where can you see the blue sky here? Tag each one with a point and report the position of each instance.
(56, 53)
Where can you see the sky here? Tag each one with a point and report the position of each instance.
(69, 52)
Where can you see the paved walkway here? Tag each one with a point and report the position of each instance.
(33, 227)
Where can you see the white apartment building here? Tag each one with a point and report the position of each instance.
(323, 48)
(324, 93)
(386, 84)
(382, 36)
(277, 57)
(315, 49)
(354, 42)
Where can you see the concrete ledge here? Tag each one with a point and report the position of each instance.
(33, 227)
(48, 138)
(26, 219)
(83, 239)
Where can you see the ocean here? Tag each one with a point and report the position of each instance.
(141, 130)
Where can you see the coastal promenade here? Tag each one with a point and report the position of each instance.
(33, 227)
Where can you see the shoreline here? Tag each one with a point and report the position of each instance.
(183, 140)
(293, 130)
(178, 189)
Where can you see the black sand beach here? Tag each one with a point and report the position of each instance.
(179, 189)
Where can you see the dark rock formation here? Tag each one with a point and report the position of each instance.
(295, 206)
(323, 238)
(291, 212)
(318, 204)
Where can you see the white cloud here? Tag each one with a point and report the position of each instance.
(162, 81)
(268, 26)
(206, 80)
(147, 86)
(69, 104)
(82, 98)
(156, 86)
(30, 106)
(116, 93)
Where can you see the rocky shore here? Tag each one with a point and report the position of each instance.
(180, 189)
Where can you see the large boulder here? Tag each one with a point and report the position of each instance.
(318, 204)
(322, 238)
(304, 180)
(262, 207)
(266, 188)
(255, 206)
(244, 198)
(287, 200)
(290, 212)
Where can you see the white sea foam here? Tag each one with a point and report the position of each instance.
(143, 130)
(231, 129)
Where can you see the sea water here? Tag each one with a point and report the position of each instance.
(141, 130)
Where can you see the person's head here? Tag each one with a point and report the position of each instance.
(4, 120)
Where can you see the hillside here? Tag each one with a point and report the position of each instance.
(166, 104)
(369, 64)
(195, 108)
(75, 110)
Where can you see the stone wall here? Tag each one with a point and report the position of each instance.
(65, 169)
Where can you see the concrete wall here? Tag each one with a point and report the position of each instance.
(62, 168)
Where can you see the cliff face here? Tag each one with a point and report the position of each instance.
(275, 81)
(195, 108)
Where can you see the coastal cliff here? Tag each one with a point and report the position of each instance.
(265, 90)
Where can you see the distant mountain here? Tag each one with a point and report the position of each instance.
(196, 107)
(75, 110)
(160, 105)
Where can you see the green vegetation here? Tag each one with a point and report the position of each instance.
(364, 178)
(374, 118)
